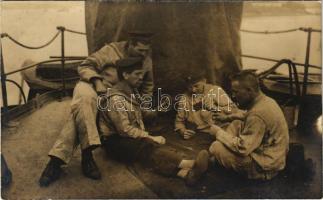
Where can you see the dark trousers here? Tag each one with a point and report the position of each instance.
(162, 159)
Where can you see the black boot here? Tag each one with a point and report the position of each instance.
(199, 168)
(89, 167)
(51, 173)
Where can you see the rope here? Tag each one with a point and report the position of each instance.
(271, 32)
(72, 31)
(30, 47)
(275, 60)
(282, 31)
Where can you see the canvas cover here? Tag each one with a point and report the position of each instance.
(189, 36)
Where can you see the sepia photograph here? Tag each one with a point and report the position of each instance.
(206, 99)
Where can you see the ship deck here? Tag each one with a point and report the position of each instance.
(26, 145)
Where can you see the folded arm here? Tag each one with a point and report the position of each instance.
(247, 140)
(93, 65)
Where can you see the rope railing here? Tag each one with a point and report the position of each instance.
(269, 32)
(281, 31)
(60, 29)
(73, 31)
(30, 47)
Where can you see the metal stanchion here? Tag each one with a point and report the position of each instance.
(303, 104)
(62, 29)
(307, 58)
(3, 83)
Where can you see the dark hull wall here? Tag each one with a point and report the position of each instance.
(188, 36)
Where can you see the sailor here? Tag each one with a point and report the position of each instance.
(124, 136)
(255, 147)
(201, 105)
(96, 69)
(97, 74)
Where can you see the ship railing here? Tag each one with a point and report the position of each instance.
(62, 58)
(60, 31)
(300, 94)
(306, 64)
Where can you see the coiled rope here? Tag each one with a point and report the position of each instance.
(30, 47)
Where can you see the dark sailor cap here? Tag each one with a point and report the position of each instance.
(195, 77)
(130, 63)
(142, 36)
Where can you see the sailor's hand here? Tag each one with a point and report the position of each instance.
(220, 117)
(158, 139)
(187, 134)
(99, 86)
(214, 129)
(239, 115)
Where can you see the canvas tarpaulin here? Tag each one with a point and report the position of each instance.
(188, 36)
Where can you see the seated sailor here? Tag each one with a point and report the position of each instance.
(123, 134)
(97, 74)
(256, 147)
(203, 104)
